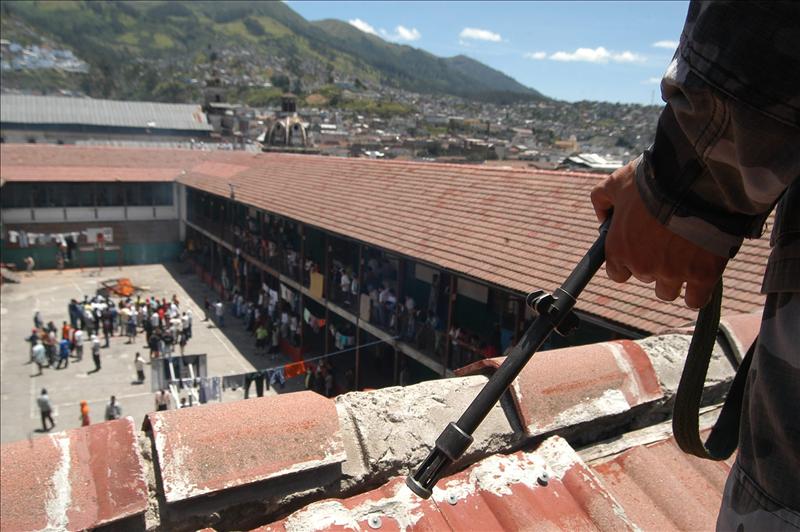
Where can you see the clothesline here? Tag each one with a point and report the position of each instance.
(301, 362)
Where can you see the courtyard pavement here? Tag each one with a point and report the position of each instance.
(229, 351)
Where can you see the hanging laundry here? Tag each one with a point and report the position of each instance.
(232, 382)
(317, 281)
(295, 369)
(277, 376)
(201, 393)
(13, 237)
(23, 239)
(215, 389)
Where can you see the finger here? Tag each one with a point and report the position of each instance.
(698, 294)
(668, 290)
(601, 201)
(646, 279)
(617, 272)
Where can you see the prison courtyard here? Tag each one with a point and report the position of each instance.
(228, 351)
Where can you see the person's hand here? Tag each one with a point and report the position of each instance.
(637, 244)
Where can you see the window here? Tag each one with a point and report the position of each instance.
(40, 195)
(162, 193)
(118, 194)
(103, 192)
(133, 194)
(79, 195)
(16, 195)
(56, 194)
(86, 195)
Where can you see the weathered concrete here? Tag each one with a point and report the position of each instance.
(396, 427)
(668, 354)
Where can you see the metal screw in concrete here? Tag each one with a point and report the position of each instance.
(374, 521)
(452, 499)
(543, 479)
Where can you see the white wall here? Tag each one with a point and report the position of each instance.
(11, 216)
(80, 214)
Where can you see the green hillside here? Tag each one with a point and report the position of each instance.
(161, 50)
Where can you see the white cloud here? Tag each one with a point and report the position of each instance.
(666, 44)
(480, 35)
(597, 55)
(363, 26)
(627, 57)
(535, 55)
(401, 33)
(652, 81)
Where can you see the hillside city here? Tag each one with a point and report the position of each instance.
(346, 116)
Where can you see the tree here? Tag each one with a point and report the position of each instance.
(281, 81)
(254, 27)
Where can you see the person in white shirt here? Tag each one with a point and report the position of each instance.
(77, 337)
(345, 285)
(138, 363)
(220, 312)
(186, 323)
(293, 328)
(39, 356)
(45, 409)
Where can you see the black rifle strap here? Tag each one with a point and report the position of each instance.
(724, 435)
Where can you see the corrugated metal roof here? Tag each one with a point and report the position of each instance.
(652, 487)
(29, 109)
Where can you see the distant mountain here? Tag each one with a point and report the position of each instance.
(162, 49)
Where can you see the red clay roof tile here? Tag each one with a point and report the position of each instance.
(519, 229)
(498, 493)
(740, 331)
(565, 387)
(215, 447)
(73, 480)
(662, 488)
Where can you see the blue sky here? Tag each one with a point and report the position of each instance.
(611, 51)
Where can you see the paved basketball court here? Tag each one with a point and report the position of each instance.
(229, 351)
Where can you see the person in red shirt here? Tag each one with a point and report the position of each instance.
(84, 417)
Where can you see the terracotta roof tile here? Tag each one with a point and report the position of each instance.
(662, 488)
(215, 447)
(653, 487)
(519, 229)
(498, 493)
(73, 480)
(565, 387)
(740, 331)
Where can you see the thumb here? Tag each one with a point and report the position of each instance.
(601, 201)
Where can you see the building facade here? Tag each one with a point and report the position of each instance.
(405, 270)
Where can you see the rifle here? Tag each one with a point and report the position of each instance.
(554, 313)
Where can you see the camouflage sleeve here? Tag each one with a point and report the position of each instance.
(717, 166)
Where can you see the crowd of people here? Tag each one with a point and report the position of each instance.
(163, 322)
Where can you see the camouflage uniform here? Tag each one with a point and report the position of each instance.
(727, 150)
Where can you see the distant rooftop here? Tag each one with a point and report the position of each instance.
(46, 110)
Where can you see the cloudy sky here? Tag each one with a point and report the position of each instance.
(612, 51)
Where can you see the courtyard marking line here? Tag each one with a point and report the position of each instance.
(197, 312)
(228, 349)
(90, 401)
